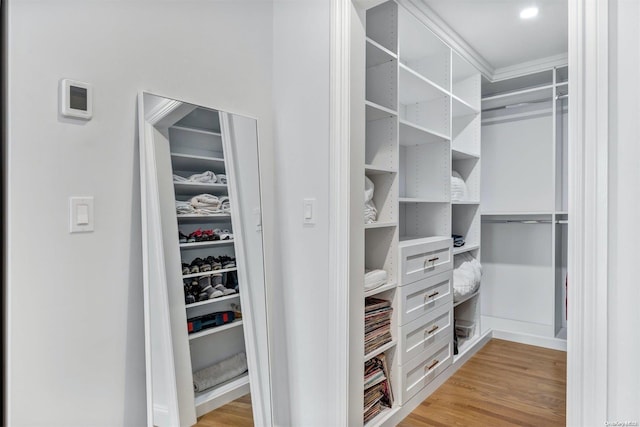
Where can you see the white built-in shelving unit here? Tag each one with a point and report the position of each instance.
(422, 113)
(524, 202)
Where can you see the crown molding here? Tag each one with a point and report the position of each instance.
(441, 29)
(530, 67)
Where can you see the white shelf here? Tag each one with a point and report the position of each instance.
(465, 202)
(208, 273)
(462, 108)
(465, 248)
(376, 170)
(214, 300)
(415, 88)
(193, 162)
(412, 134)
(380, 350)
(377, 54)
(462, 155)
(380, 224)
(196, 130)
(379, 289)
(215, 330)
(417, 200)
(375, 111)
(382, 417)
(222, 389)
(191, 218)
(207, 244)
(466, 298)
(515, 213)
(194, 188)
(540, 93)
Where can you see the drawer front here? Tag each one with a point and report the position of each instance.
(420, 298)
(421, 370)
(424, 260)
(424, 333)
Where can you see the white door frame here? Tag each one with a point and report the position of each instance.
(588, 197)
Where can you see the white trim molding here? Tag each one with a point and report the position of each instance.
(530, 67)
(588, 231)
(339, 209)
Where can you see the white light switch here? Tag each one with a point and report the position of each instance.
(309, 211)
(80, 214)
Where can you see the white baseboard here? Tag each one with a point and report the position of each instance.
(546, 342)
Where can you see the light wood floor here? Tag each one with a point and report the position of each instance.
(504, 384)
(237, 414)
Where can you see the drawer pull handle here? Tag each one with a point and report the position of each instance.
(435, 362)
(432, 330)
(433, 294)
(433, 259)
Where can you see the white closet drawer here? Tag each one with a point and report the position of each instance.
(424, 258)
(419, 298)
(423, 334)
(421, 370)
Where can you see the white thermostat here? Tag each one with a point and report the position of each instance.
(76, 99)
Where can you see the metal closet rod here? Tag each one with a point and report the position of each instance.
(522, 104)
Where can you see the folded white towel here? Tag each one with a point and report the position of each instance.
(205, 201)
(220, 372)
(459, 190)
(374, 279)
(467, 275)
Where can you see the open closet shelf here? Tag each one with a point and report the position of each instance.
(380, 224)
(376, 112)
(208, 273)
(467, 298)
(516, 98)
(215, 330)
(465, 202)
(213, 301)
(222, 389)
(515, 213)
(415, 88)
(465, 248)
(380, 350)
(380, 289)
(462, 108)
(418, 200)
(194, 188)
(412, 134)
(381, 417)
(195, 130)
(465, 345)
(202, 245)
(203, 218)
(376, 170)
(190, 161)
(457, 154)
(378, 54)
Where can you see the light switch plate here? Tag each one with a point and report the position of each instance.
(309, 211)
(80, 214)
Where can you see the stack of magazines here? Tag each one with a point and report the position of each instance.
(377, 389)
(377, 323)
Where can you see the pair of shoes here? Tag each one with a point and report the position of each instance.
(224, 234)
(198, 236)
(198, 265)
(227, 262)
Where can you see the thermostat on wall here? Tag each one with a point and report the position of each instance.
(76, 99)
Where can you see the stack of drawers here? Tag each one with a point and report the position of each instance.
(425, 312)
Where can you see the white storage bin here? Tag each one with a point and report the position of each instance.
(464, 328)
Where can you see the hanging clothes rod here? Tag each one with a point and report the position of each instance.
(524, 221)
(566, 95)
(518, 104)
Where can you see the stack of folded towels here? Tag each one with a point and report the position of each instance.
(459, 191)
(374, 279)
(206, 177)
(370, 211)
(225, 370)
(467, 274)
(203, 204)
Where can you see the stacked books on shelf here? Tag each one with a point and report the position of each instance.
(377, 323)
(377, 390)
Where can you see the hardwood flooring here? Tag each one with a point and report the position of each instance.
(504, 384)
(237, 414)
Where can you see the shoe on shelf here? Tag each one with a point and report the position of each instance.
(182, 238)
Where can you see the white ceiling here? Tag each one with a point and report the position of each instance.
(494, 28)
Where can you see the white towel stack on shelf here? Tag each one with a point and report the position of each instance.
(222, 371)
(370, 211)
(467, 274)
(459, 190)
(374, 279)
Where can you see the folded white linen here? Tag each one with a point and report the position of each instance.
(467, 275)
(459, 190)
(205, 201)
(370, 211)
(206, 177)
(178, 178)
(374, 278)
(220, 372)
(369, 188)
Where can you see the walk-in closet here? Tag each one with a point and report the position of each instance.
(465, 186)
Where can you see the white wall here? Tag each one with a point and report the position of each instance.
(624, 225)
(301, 139)
(76, 347)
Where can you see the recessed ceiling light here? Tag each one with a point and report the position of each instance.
(529, 12)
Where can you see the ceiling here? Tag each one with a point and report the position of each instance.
(494, 28)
